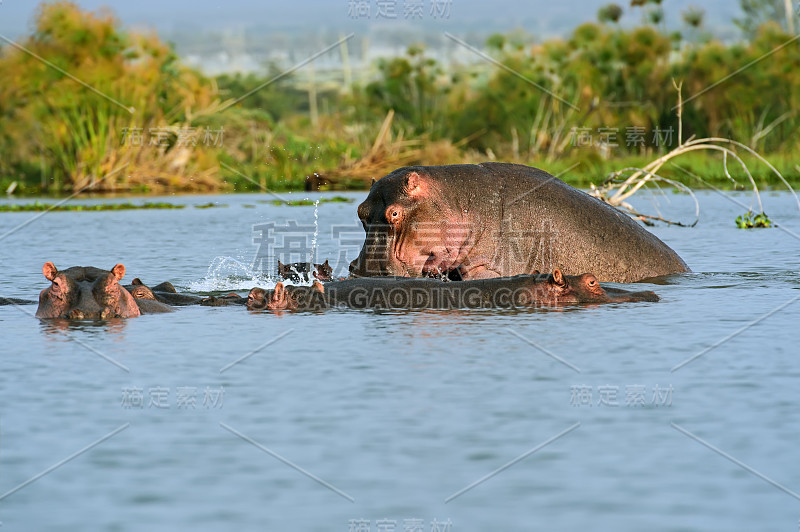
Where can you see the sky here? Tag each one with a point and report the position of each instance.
(536, 16)
(246, 35)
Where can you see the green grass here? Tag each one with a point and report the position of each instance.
(750, 220)
(38, 207)
(307, 202)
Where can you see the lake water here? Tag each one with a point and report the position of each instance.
(221, 419)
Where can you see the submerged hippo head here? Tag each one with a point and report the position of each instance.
(139, 290)
(286, 297)
(85, 293)
(565, 289)
(324, 271)
(295, 271)
(411, 229)
(305, 271)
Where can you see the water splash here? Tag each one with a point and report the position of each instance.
(228, 273)
(316, 232)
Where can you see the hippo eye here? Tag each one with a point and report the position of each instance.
(393, 213)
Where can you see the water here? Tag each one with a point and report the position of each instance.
(398, 411)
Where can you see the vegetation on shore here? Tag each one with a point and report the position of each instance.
(89, 106)
(309, 202)
(72, 207)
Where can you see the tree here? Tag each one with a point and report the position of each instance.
(693, 17)
(757, 12)
(655, 16)
(609, 13)
(137, 85)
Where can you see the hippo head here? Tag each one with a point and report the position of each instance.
(562, 288)
(585, 288)
(324, 271)
(411, 232)
(286, 297)
(139, 290)
(85, 293)
(296, 271)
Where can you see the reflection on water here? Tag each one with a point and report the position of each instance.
(59, 326)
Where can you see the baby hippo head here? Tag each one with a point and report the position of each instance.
(85, 293)
(585, 288)
(139, 290)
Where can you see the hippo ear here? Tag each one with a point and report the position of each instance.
(558, 277)
(118, 271)
(49, 270)
(317, 286)
(417, 187)
(137, 282)
(373, 183)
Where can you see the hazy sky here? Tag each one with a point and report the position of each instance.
(535, 16)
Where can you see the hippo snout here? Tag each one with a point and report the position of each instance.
(83, 314)
(75, 314)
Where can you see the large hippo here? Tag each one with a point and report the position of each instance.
(85, 293)
(495, 220)
(520, 291)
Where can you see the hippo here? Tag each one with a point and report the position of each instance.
(519, 291)
(497, 220)
(165, 293)
(224, 301)
(304, 271)
(85, 293)
(15, 301)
